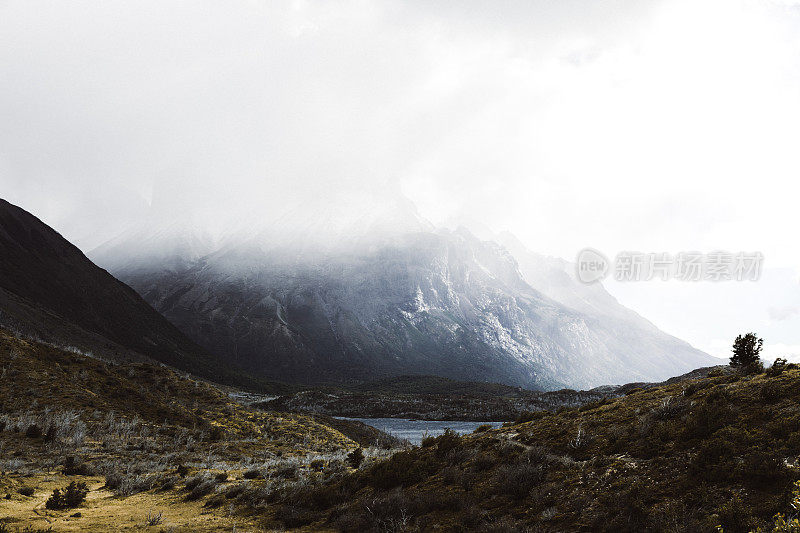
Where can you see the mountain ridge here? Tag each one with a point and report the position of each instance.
(413, 300)
(51, 291)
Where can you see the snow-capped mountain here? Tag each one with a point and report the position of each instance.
(364, 288)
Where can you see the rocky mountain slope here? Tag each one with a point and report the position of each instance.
(388, 295)
(50, 290)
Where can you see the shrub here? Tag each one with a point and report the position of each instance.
(771, 392)
(287, 472)
(27, 491)
(752, 369)
(194, 481)
(153, 519)
(75, 467)
(253, 473)
(293, 517)
(70, 497)
(710, 416)
(222, 477)
(734, 515)
(215, 501)
(235, 491)
(167, 483)
(355, 458)
(388, 512)
(595, 404)
(714, 459)
(517, 480)
(216, 434)
(696, 386)
(318, 465)
(33, 432)
(127, 483)
(182, 470)
(402, 468)
(201, 489)
(669, 408)
(528, 416)
(788, 524)
(447, 442)
(762, 467)
(777, 367)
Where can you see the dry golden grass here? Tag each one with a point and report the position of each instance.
(103, 511)
(138, 434)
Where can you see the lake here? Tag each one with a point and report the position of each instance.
(415, 430)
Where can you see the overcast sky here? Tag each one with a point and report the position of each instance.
(652, 126)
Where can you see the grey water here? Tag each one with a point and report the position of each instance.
(415, 430)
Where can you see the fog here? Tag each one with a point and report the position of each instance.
(655, 126)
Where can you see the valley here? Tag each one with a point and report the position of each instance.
(112, 418)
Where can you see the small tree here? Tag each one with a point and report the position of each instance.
(745, 351)
(72, 496)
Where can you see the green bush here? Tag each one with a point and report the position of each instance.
(777, 367)
(70, 497)
(714, 459)
(403, 468)
(709, 416)
(201, 489)
(253, 473)
(355, 458)
(762, 468)
(447, 442)
(75, 467)
(771, 392)
(517, 480)
(528, 416)
(215, 501)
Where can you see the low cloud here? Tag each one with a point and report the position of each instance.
(782, 313)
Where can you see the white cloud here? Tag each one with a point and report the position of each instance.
(658, 126)
(782, 313)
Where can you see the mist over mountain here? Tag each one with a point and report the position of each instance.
(355, 286)
(50, 290)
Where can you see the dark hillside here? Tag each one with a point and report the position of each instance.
(687, 456)
(50, 290)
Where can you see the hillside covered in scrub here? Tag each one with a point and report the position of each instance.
(687, 456)
(90, 445)
(146, 443)
(436, 398)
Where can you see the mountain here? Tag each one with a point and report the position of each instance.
(50, 290)
(337, 294)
